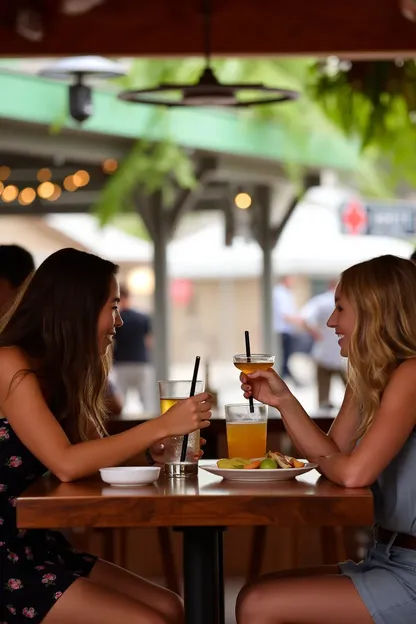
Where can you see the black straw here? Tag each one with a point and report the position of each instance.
(192, 393)
(248, 354)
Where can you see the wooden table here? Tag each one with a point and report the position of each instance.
(200, 507)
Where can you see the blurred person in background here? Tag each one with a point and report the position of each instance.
(16, 265)
(132, 354)
(325, 351)
(286, 324)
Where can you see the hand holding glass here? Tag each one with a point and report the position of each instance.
(170, 392)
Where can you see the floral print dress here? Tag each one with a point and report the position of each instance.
(36, 566)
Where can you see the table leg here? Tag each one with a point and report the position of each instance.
(203, 575)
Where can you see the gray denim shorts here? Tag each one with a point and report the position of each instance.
(386, 582)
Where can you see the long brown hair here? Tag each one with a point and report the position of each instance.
(54, 321)
(382, 292)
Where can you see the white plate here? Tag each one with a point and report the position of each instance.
(255, 474)
(130, 475)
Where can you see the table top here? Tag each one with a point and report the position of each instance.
(206, 500)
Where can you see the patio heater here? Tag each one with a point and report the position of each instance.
(79, 68)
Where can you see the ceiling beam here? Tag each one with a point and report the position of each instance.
(83, 201)
(67, 145)
(369, 28)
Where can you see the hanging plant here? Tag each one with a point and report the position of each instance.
(374, 102)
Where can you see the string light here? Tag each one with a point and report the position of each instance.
(56, 193)
(1, 187)
(44, 175)
(69, 184)
(45, 190)
(110, 165)
(10, 193)
(242, 201)
(27, 196)
(4, 172)
(81, 178)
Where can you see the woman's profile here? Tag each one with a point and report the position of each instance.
(54, 359)
(371, 443)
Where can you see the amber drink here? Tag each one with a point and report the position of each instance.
(254, 362)
(170, 392)
(246, 431)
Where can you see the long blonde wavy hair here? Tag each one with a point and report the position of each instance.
(382, 292)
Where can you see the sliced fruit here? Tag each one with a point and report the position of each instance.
(225, 463)
(298, 464)
(254, 464)
(240, 460)
(268, 464)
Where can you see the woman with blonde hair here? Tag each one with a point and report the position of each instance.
(372, 442)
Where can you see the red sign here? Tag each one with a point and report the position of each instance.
(354, 217)
(181, 291)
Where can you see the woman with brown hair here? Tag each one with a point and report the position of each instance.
(54, 360)
(371, 443)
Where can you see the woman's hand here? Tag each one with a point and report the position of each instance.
(265, 386)
(188, 415)
(157, 451)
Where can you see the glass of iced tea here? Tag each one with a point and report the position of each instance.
(256, 361)
(170, 392)
(246, 430)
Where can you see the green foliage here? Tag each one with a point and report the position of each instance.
(166, 165)
(374, 103)
(148, 167)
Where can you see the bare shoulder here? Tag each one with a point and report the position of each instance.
(402, 382)
(405, 371)
(12, 361)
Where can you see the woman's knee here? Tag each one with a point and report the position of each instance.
(173, 608)
(249, 603)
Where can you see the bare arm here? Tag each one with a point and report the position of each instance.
(306, 436)
(24, 406)
(304, 433)
(391, 427)
(345, 425)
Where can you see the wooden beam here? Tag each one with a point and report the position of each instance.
(33, 139)
(369, 28)
(187, 198)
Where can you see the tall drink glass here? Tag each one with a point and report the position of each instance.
(246, 431)
(170, 392)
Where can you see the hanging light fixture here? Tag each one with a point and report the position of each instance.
(208, 91)
(80, 67)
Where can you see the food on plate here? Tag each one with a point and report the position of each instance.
(234, 463)
(285, 461)
(255, 463)
(268, 464)
(273, 460)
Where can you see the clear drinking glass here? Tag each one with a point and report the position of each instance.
(170, 392)
(254, 362)
(246, 431)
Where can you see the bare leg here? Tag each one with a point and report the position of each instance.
(85, 602)
(113, 577)
(304, 596)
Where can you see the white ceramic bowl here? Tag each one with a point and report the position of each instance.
(130, 475)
